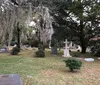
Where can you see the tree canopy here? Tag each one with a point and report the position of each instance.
(76, 20)
(80, 21)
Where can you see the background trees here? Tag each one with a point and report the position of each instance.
(75, 20)
(80, 21)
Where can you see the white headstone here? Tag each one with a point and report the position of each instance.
(66, 50)
(11, 79)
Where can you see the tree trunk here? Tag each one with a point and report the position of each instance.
(71, 69)
(83, 44)
(82, 38)
(83, 49)
(41, 46)
(18, 36)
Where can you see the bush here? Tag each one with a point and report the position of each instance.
(41, 47)
(95, 50)
(76, 55)
(97, 53)
(73, 63)
(15, 51)
(40, 53)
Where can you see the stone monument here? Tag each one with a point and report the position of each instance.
(66, 50)
(11, 79)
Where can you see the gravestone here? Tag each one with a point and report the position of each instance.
(66, 50)
(11, 79)
(3, 50)
(89, 59)
(54, 50)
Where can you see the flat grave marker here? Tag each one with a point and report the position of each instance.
(3, 50)
(10, 79)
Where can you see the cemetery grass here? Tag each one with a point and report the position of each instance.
(50, 70)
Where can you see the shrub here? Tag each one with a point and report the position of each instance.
(41, 46)
(76, 55)
(15, 51)
(97, 53)
(73, 63)
(95, 50)
(40, 53)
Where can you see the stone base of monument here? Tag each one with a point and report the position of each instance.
(66, 53)
(10, 79)
(68, 56)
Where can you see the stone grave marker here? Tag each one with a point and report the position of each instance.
(10, 79)
(66, 50)
(3, 50)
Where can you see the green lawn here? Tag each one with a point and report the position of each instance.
(50, 70)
